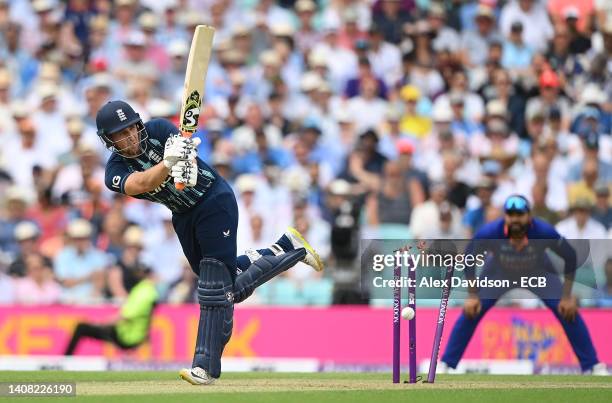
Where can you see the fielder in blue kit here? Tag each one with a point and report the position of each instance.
(515, 247)
(148, 160)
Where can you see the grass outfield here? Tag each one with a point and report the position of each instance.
(319, 388)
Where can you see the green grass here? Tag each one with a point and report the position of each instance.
(137, 387)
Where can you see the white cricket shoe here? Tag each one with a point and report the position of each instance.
(196, 376)
(312, 258)
(600, 369)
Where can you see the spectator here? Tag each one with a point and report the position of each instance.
(392, 204)
(183, 290)
(15, 207)
(27, 235)
(539, 208)
(603, 296)
(413, 123)
(517, 54)
(120, 276)
(37, 287)
(476, 217)
(425, 218)
(603, 211)
(475, 43)
(580, 224)
(533, 16)
(80, 266)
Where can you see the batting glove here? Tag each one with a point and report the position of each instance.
(179, 148)
(185, 172)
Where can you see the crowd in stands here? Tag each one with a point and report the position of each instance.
(425, 114)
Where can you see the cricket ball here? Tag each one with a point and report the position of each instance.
(408, 313)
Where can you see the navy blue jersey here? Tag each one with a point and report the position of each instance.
(118, 169)
(541, 236)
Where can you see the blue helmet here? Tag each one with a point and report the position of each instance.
(116, 116)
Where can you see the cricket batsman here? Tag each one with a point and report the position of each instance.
(147, 160)
(510, 254)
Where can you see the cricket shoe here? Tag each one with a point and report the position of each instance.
(196, 376)
(312, 258)
(600, 369)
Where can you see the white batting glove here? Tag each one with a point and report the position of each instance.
(179, 148)
(185, 172)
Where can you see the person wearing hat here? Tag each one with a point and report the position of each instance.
(551, 97)
(392, 133)
(121, 277)
(413, 123)
(580, 224)
(475, 218)
(579, 43)
(27, 235)
(148, 161)
(133, 325)
(518, 245)
(136, 65)
(589, 143)
(79, 266)
(602, 211)
(475, 43)
(425, 220)
(306, 36)
(533, 16)
(516, 54)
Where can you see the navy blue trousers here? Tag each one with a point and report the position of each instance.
(209, 229)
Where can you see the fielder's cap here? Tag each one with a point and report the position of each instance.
(484, 11)
(282, 29)
(549, 78)
(340, 187)
(41, 6)
(148, 21)
(516, 204)
(26, 230)
(270, 58)
(571, 12)
(602, 188)
(405, 146)
(79, 228)
(305, 6)
(135, 38)
(15, 193)
(133, 236)
(491, 168)
(246, 183)
(410, 93)
(178, 48)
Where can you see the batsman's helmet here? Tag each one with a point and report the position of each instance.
(116, 116)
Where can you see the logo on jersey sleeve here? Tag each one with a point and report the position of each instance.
(121, 115)
(116, 181)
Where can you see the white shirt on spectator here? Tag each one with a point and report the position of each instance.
(473, 105)
(20, 161)
(341, 64)
(592, 229)
(537, 28)
(387, 63)
(367, 113)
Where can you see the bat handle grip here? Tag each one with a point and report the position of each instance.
(180, 185)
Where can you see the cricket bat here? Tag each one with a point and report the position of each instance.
(195, 78)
